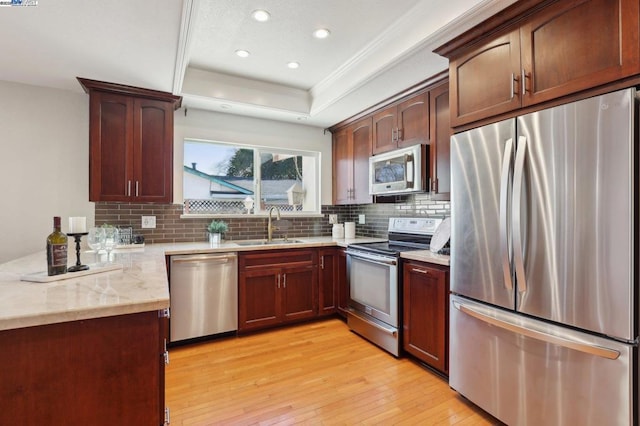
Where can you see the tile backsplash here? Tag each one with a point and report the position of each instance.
(170, 227)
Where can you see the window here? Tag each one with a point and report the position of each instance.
(222, 178)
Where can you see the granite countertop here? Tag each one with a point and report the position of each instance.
(141, 285)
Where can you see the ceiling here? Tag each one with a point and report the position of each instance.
(376, 48)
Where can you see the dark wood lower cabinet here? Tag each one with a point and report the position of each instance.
(330, 277)
(276, 287)
(105, 371)
(426, 313)
(343, 284)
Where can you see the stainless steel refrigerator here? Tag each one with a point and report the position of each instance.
(544, 321)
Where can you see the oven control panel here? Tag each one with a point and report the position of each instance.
(414, 225)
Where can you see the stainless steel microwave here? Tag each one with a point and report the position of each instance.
(396, 172)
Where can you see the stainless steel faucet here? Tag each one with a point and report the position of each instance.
(269, 225)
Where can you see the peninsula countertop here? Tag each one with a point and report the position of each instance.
(140, 286)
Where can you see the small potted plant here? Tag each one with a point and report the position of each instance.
(215, 229)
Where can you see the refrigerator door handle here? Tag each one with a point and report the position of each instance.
(518, 181)
(505, 246)
(596, 350)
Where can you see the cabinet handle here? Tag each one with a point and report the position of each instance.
(514, 82)
(321, 262)
(137, 188)
(393, 135)
(524, 82)
(398, 135)
(284, 280)
(128, 191)
(422, 271)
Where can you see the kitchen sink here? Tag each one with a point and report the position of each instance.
(264, 242)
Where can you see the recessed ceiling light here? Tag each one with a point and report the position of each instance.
(321, 33)
(242, 53)
(260, 15)
(293, 65)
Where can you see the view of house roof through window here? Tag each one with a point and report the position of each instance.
(222, 178)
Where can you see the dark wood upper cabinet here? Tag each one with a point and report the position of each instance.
(384, 128)
(484, 81)
(575, 45)
(351, 152)
(413, 121)
(403, 124)
(439, 149)
(131, 143)
(551, 50)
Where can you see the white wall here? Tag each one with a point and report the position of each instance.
(207, 125)
(44, 165)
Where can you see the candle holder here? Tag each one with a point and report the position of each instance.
(78, 266)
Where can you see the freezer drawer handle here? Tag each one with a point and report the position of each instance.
(538, 335)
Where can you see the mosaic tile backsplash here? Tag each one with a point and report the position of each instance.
(171, 228)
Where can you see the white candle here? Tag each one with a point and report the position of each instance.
(77, 225)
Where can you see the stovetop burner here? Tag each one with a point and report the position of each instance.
(405, 234)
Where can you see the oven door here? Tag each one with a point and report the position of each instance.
(373, 285)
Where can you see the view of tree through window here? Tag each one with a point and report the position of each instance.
(220, 178)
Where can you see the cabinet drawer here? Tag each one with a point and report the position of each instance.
(297, 257)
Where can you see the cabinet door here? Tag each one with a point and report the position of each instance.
(298, 288)
(440, 141)
(342, 167)
(425, 328)
(106, 367)
(111, 150)
(572, 46)
(484, 81)
(328, 281)
(258, 298)
(153, 151)
(343, 284)
(385, 125)
(361, 138)
(413, 121)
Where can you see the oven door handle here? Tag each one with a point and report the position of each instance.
(373, 259)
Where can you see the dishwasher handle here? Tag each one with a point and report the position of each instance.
(225, 258)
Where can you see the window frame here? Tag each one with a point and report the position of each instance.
(258, 150)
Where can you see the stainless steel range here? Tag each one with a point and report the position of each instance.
(374, 277)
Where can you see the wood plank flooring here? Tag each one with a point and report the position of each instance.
(314, 374)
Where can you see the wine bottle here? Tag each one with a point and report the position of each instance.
(56, 250)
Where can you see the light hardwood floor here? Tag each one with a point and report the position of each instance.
(316, 373)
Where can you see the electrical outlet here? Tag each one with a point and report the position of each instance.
(333, 218)
(361, 219)
(148, 222)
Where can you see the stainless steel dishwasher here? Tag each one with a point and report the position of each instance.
(204, 295)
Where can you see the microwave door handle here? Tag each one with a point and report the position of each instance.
(408, 170)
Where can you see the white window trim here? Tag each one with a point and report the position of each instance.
(257, 151)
